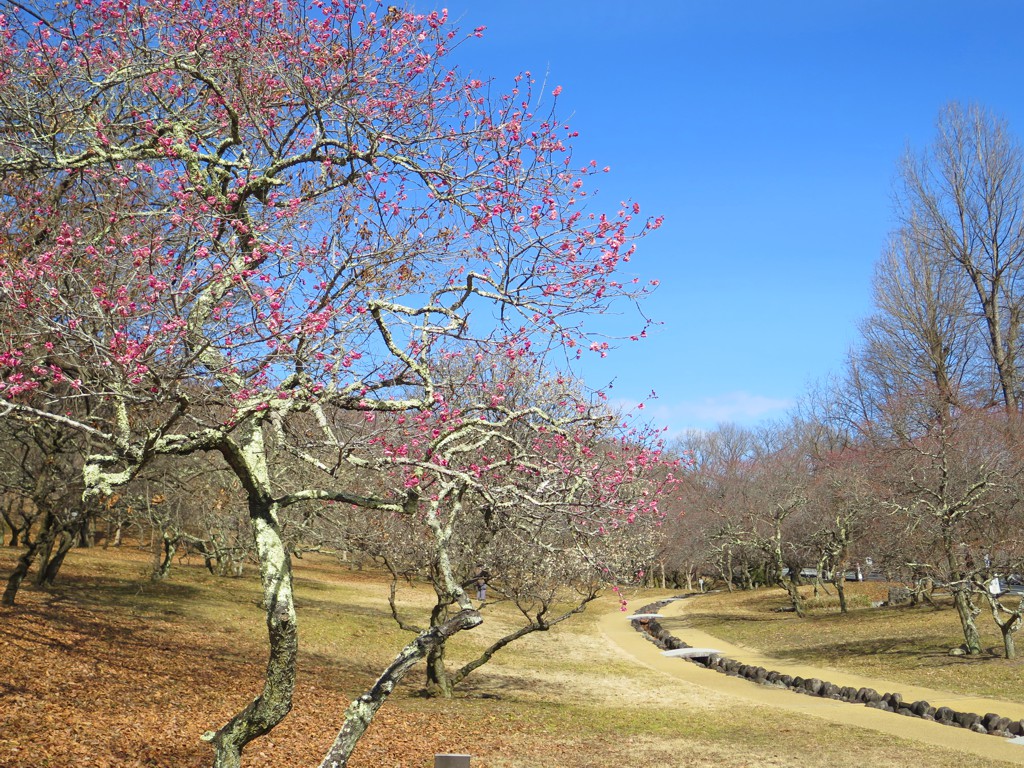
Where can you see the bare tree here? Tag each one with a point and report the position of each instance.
(40, 467)
(922, 337)
(947, 483)
(962, 205)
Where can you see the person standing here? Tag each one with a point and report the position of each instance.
(481, 582)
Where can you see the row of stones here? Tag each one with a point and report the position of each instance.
(990, 723)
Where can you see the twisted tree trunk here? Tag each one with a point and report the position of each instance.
(361, 711)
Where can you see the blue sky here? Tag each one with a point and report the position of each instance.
(768, 135)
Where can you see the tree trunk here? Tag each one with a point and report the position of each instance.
(967, 612)
(21, 569)
(361, 711)
(795, 599)
(275, 700)
(163, 565)
(45, 540)
(16, 531)
(23, 565)
(840, 565)
(87, 533)
(839, 580)
(819, 584)
(1009, 647)
(48, 569)
(793, 590)
(209, 558)
(1009, 627)
(439, 682)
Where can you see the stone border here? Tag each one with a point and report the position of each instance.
(990, 723)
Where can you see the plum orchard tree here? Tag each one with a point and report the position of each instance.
(220, 218)
(962, 208)
(954, 487)
(190, 508)
(40, 469)
(843, 494)
(713, 490)
(555, 498)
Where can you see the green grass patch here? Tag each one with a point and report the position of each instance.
(905, 644)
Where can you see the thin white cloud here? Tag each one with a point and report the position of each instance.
(732, 406)
(740, 407)
(743, 408)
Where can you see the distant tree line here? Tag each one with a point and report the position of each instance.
(910, 461)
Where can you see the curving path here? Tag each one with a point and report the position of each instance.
(618, 630)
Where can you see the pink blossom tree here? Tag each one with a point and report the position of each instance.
(226, 223)
(528, 485)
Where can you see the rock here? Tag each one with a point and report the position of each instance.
(1000, 726)
(894, 700)
(813, 686)
(919, 708)
(899, 596)
(870, 695)
(969, 720)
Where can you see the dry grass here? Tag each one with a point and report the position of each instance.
(904, 644)
(109, 669)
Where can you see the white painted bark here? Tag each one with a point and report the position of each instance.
(275, 700)
(361, 711)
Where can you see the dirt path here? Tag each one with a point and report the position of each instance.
(619, 631)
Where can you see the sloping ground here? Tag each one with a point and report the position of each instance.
(112, 674)
(911, 643)
(989, 748)
(110, 670)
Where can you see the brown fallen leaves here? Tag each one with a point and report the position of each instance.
(87, 684)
